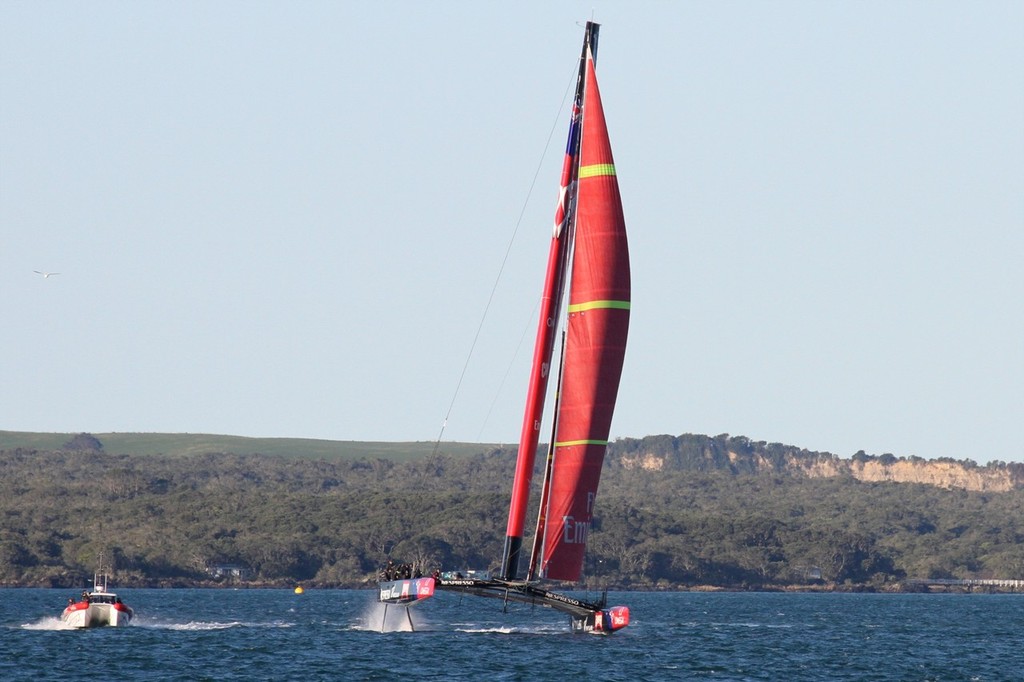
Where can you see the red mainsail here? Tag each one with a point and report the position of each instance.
(599, 301)
(588, 248)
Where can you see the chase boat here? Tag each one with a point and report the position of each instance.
(97, 608)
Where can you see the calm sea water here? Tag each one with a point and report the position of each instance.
(336, 635)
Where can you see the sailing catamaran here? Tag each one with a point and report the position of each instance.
(588, 253)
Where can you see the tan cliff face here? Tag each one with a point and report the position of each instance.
(941, 474)
(819, 467)
(646, 461)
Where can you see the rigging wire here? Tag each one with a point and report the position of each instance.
(508, 370)
(501, 269)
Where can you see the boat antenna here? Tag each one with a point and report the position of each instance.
(501, 269)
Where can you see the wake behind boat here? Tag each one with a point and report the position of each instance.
(589, 253)
(97, 608)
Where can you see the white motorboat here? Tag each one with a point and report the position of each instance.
(97, 608)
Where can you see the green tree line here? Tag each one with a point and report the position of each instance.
(702, 519)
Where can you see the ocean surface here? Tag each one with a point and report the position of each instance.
(185, 634)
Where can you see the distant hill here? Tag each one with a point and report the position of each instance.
(185, 444)
(673, 511)
(688, 452)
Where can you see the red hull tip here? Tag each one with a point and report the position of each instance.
(607, 621)
(616, 618)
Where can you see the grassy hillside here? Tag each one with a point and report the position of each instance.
(185, 444)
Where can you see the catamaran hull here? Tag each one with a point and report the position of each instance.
(86, 615)
(603, 622)
(406, 592)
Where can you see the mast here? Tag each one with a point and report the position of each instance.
(542, 508)
(551, 302)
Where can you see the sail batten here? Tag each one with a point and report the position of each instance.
(597, 169)
(571, 443)
(593, 305)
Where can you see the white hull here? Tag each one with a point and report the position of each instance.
(95, 615)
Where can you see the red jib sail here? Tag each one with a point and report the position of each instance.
(599, 301)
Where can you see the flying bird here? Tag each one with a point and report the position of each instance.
(45, 274)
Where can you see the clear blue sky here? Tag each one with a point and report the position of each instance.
(285, 219)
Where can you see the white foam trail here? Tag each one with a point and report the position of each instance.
(199, 626)
(48, 623)
(491, 631)
(479, 628)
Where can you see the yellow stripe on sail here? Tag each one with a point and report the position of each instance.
(594, 305)
(570, 443)
(596, 169)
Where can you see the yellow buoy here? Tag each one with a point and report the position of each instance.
(299, 590)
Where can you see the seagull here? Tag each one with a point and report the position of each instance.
(45, 274)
